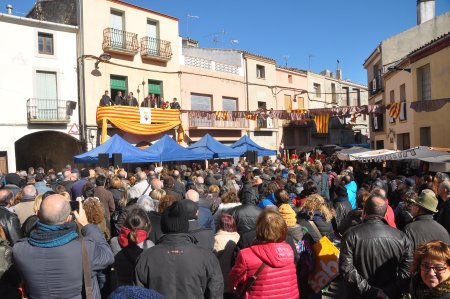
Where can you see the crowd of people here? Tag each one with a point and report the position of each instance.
(228, 231)
(151, 100)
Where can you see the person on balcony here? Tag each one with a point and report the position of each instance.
(106, 100)
(131, 100)
(147, 102)
(118, 99)
(175, 104)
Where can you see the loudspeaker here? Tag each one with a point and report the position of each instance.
(103, 160)
(252, 157)
(117, 160)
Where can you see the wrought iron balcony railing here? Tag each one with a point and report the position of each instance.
(218, 124)
(120, 41)
(49, 110)
(155, 48)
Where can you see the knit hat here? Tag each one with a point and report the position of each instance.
(288, 214)
(174, 219)
(84, 173)
(125, 292)
(427, 200)
(190, 208)
(13, 179)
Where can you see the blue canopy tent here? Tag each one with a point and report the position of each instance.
(168, 149)
(245, 144)
(117, 144)
(210, 148)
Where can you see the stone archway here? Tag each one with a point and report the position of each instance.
(49, 149)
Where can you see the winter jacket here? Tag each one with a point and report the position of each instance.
(269, 200)
(353, 218)
(204, 236)
(277, 280)
(11, 225)
(24, 210)
(321, 180)
(249, 193)
(342, 207)
(224, 246)
(205, 218)
(179, 269)
(41, 187)
(245, 216)
(375, 256)
(402, 216)
(444, 215)
(58, 272)
(325, 228)
(125, 261)
(351, 193)
(424, 229)
(419, 290)
(390, 216)
(223, 208)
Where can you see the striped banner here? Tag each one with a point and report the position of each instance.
(394, 110)
(128, 119)
(322, 123)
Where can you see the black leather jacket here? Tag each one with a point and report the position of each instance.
(375, 256)
(11, 225)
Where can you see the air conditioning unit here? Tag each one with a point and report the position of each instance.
(374, 85)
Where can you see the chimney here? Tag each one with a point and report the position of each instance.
(425, 10)
(9, 9)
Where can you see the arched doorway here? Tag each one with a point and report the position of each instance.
(49, 149)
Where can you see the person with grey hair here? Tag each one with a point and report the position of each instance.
(156, 184)
(50, 261)
(204, 217)
(444, 213)
(142, 187)
(25, 208)
(8, 220)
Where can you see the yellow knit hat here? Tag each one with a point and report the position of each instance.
(288, 214)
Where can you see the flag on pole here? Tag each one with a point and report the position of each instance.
(322, 123)
(394, 110)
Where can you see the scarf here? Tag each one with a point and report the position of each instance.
(123, 238)
(422, 291)
(50, 236)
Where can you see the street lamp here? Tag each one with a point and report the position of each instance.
(104, 57)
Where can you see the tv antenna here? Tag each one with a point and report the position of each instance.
(286, 58)
(189, 16)
(309, 61)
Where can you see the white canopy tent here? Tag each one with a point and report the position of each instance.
(419, 152)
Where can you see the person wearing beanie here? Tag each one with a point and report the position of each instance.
(204, 236)
(176, 267)
(289, 215)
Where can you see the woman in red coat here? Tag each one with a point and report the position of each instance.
(278, 278)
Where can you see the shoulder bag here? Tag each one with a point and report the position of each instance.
(240, 292)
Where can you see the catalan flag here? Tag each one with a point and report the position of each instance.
(322, 123)
(394, 110)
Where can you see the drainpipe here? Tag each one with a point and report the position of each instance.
(81, 78)
(246, 88)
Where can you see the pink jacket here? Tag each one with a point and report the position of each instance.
(277, 280)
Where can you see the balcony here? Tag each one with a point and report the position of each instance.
(215, 124)
(119, 41)
(156, 49)
(49, 111)
(266, 125)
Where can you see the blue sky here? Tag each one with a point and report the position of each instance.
(309, 34)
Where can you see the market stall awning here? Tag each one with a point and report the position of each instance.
(245, 144)
(418, 152)
(167, 149)
(345, 153)
(210, 148)
(113, 145)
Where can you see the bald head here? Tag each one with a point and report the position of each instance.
(6, 196)
(67, 175)
(156, 184)
(55, 210)
(141, 176)
(29, 192)
(375, 205)
(192, 195)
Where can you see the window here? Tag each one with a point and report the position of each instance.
(403, 101)
(301, 102)
(262, 105)
(260, 71)
(288, 105)
(347, 95)
(357, 97)
(155, 87)
(290, 78)
(403, 141)
(425, 136)
(45, 43)
(380, 144)
(229, 104)
(201, 102)
(333, 93)
(424, 83)
(317, 90)
(377, 122)
(392, 100)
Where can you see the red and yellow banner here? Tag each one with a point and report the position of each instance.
(322, 123)
(128, 119)
(394, 110)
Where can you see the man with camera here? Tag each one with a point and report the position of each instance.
(53, 259)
